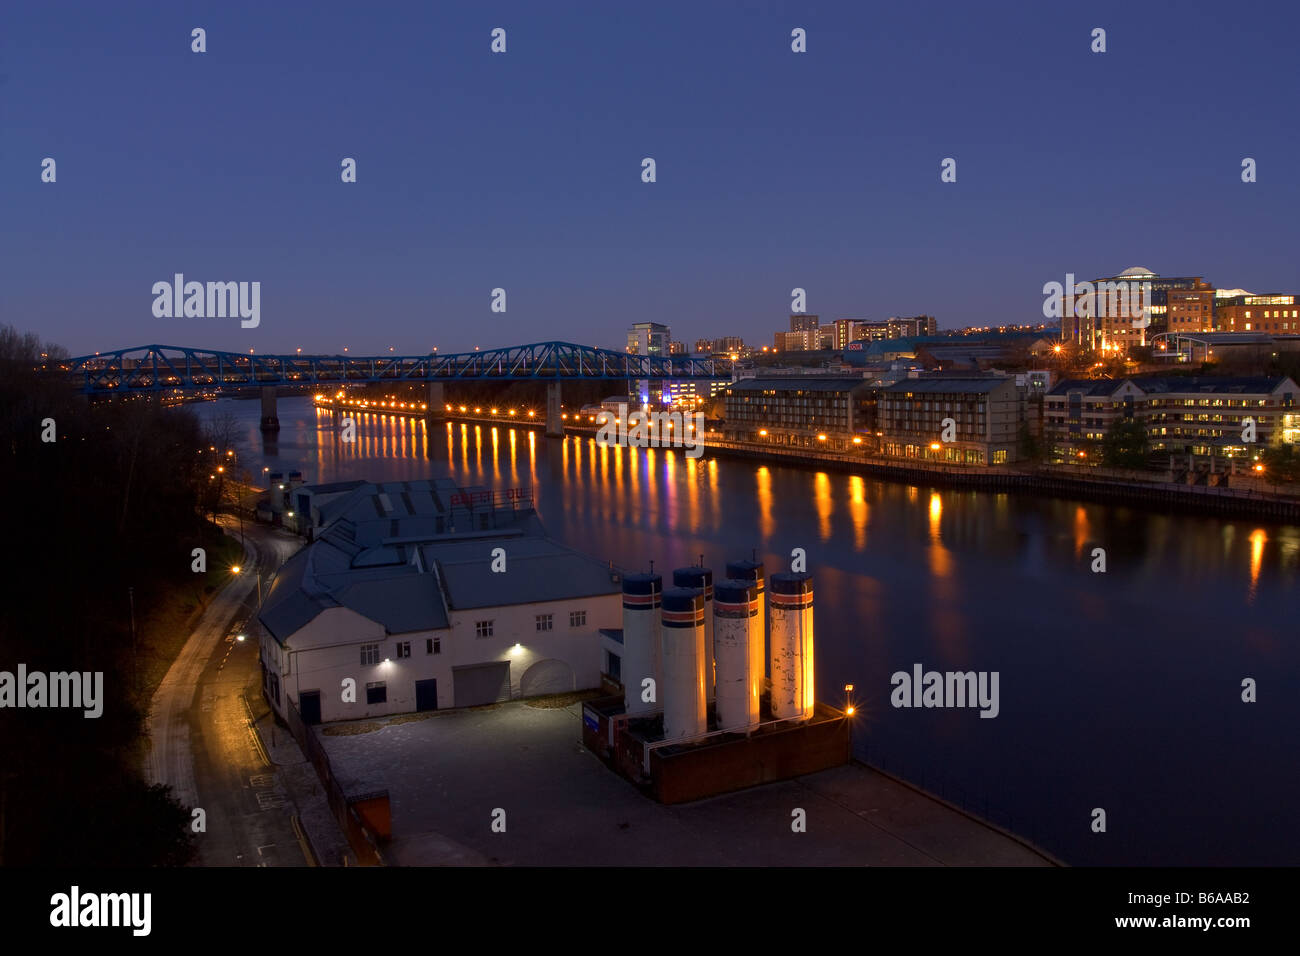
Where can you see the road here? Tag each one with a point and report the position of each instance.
(202, 741)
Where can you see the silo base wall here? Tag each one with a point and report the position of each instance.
(706, 771)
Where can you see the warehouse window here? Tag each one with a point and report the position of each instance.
(577, 619)
(433, 646)
(482, 628)
(544, 622)
(403, 648)
(369, 654)
(377, 692)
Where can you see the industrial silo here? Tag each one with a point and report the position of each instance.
(792, 645)
(701, 578)
(641, 639)
(753, 571)
(685, 713)
(735, 608)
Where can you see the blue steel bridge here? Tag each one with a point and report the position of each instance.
(174, 369)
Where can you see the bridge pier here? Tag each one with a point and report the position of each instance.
(435, 402)
(270, 420)
(554, 424)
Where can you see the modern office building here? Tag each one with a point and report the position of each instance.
(803, 323)
(985, 415)
(1122, 311)
(422, 595)
(1190, 310)
(649, 338)
(1277, 314)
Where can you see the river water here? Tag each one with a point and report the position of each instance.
(1119, 691)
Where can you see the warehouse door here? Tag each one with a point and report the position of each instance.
(426, 694)
(481, 683)
(309, 706)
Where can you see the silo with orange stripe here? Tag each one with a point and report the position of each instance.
(642, 598)
(791, 596)
(685, 712)
(735, 607)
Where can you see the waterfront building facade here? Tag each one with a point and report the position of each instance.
(1204, 417)
(985, 413)
(800, 411)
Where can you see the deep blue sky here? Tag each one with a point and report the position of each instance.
(522, 170)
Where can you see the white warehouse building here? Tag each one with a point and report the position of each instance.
(397, 593)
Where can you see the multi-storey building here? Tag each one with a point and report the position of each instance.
(911, 326)
(1077, 413)
(801, 411)
(1190, 310)
(803, 323)
(676, 348)
(972, 421)
(843, 334)
(1200, 416)
(805, 340)
(648, 338)
(1208, 416)
(1278, 314)
(1121, 311)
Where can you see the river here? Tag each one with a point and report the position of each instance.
(1119, 690)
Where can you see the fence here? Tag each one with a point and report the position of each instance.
(363, 843)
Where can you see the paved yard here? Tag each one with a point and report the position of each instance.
(447, 774)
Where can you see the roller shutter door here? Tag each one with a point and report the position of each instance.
(481, 683)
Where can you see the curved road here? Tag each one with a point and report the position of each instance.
(202, 741)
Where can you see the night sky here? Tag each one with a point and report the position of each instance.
(523, 170)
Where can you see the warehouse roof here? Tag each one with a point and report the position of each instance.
(396, 569)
